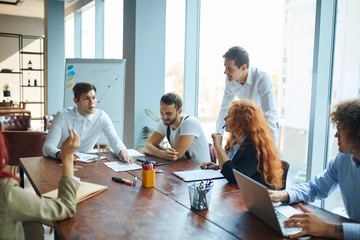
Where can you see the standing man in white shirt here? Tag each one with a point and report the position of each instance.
(183, 132)
(246, 82)
(88, 122)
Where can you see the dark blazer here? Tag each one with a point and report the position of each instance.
(244, 161)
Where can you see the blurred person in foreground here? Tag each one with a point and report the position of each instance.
(22, 213)
(250, 148)
(343, 171)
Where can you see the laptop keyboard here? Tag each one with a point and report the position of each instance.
(286, 231)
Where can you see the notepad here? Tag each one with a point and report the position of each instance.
(86, 190)
(198, 175)
(85, 157)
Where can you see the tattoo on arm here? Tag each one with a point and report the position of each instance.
(338, 228)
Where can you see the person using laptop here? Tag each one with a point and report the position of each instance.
(343, 171)
(183, 132)
(22, 212)
(88, 122)
(250, 148)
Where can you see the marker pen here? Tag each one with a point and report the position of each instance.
(123, 181)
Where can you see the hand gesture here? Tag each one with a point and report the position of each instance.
(68, 148)
(170, 154)
(125, 157)
(70, 145)
(311, 225)
(278, 196)
(217, 138)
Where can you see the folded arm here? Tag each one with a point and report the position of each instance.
(151, 148)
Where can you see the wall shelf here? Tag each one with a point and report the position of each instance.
(31, 69)
(27, 50)
(11, 72)
(34, 53)
(25, 86)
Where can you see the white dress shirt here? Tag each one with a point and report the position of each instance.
(89, 130)
(259, 88)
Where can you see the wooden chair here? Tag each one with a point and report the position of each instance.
(23, 144)
(15, 123)
(20, 141)
(285, 167)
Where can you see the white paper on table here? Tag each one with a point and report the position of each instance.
(120, 166)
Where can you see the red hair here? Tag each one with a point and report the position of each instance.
(246, 119)
(4, 158)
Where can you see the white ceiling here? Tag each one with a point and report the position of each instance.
(29, 8)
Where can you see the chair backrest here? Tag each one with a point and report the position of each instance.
(212, 153)
(48, 119)
(23, 144)
(285, 167)
(15, 122)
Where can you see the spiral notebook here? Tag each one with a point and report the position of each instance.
(198, 175)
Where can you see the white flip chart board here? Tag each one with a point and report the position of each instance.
(108, 76)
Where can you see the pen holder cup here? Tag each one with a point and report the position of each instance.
(148, 178)
(199, 196)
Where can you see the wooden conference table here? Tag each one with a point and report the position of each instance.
(163, 212)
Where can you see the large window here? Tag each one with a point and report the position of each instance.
(88, 32)
(174, 51)
(69, 36)
(346, 74)
(113, 29)
(279, 37)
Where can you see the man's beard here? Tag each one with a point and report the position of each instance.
(172, 121)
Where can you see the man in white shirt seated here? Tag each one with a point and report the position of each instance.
(245, 82)
(88, 122)
(184, 133)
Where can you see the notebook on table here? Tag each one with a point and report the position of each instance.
(198, 175)
(86, 190)
(258, 202)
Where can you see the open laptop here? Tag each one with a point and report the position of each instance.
(258, 202)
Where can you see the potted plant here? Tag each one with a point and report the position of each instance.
(6, 89)
(147, 131)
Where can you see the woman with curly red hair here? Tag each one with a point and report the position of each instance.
(249, 149)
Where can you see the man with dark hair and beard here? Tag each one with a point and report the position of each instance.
(183, 132)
